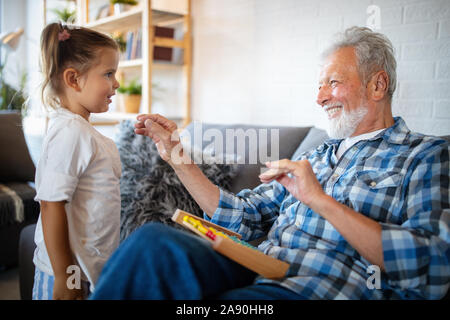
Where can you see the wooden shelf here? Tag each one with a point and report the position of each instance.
(124, 21)
(138, 63)
(135, 63)
(160, 18)
(111, 118)
(167, 42)
(114, 118)
(131, 19)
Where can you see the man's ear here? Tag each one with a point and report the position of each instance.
(71, 78)
(378, 85)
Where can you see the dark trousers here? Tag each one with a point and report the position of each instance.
(160, 262)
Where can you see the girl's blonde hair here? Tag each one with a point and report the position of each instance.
(63, 47)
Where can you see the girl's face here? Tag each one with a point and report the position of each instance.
(99, 84)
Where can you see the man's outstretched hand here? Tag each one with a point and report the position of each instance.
(165, 135)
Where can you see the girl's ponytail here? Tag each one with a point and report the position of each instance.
(49, 63)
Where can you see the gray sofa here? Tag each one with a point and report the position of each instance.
(292, 141)
(246, 177)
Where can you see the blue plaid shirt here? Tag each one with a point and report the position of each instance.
(397, 178)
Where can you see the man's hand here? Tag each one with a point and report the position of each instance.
(62, 292)
(363, 233)
(165, 135)
(303, 185)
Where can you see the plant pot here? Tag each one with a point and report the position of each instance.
(132, 103)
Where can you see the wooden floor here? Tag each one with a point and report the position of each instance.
(9, 284)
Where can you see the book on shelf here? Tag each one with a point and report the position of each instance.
(229, 244)
(133, 47)
(163, 53)
(134, 44)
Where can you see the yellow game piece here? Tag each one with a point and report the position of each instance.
(202, 229)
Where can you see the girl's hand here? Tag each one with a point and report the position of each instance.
(62, 292)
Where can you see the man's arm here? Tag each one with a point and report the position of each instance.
(361, 232)
(204, 192)
(258, 208)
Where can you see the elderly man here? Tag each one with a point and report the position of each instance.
(376, 196)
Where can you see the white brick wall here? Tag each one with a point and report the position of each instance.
(256, 61)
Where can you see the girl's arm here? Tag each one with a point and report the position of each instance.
(56, 237)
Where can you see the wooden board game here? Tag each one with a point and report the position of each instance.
(229, 244)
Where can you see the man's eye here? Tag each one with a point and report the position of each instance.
(109, 74)
(333, 82)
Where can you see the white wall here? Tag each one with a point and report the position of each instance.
(256, 61)
(12, 19)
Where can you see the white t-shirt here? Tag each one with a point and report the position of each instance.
(348, 142)
(81, 166)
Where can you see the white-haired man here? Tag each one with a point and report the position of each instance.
(375, 194)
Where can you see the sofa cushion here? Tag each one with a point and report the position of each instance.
(313, 139)
(250, 158)
(15, 160)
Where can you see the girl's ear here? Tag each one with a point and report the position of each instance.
(71, 79)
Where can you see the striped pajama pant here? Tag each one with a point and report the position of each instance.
(43, 285)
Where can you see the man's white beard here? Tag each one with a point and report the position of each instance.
(344, 125)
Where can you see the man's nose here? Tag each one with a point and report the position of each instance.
(324, 95)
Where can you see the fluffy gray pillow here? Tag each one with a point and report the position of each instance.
(150, 189)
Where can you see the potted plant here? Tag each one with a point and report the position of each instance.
(121, 6)
(12, 98)
(118, 37)
(131, 96)
(67, 15)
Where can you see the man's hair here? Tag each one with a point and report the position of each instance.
(374, 52)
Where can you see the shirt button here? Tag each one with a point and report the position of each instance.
(373, 184)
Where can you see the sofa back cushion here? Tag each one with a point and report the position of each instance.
(249, 146)
(313, 139)
(16, 164)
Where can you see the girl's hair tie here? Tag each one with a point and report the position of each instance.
(63, 35)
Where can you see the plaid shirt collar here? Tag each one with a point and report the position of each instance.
(396, 134)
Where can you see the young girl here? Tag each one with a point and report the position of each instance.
(77, 177)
